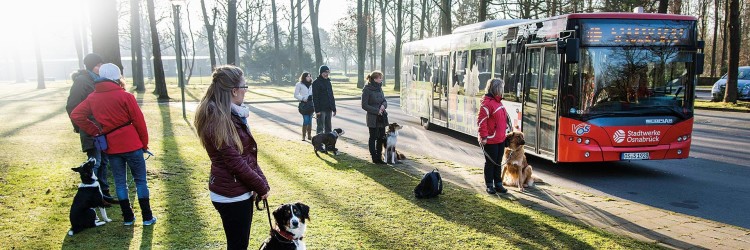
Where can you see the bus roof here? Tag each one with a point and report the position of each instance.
(627, 15)
(487, 24)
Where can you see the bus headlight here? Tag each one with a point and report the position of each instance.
(579, 140)
(679, 139)
(587, 141)
(586, 154)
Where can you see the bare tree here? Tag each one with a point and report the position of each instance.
(210, 26)
(39, 63)
(232, 32)
(445, 17)
(716, 29)
(663, 4)
(314, 10)
(104, 38)
(730, 95)
(274, 67)
(383, 5)
(482, 10)
(300, 42)
(361, 41)
(725, 38)
(77, 42)
(399, 35)
(161, 83)
(135, 45)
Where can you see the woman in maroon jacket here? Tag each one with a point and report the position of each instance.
(492, 121)
(236, 178)
(119, 117)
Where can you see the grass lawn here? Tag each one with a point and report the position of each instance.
(257, 92)
(354, 204)
(741, 106)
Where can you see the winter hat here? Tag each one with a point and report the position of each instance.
(110, 72)
(323, 69)
(91, 60)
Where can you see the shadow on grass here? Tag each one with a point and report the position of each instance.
(115, 236)
(180, 199)
(41, 118)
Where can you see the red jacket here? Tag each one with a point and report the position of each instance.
(112, 107)
(492, 120)
(234, 173)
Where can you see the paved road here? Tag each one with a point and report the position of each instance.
(703, 95)
(711, 184)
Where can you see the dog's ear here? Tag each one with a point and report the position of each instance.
(278, 216)
(304, 209)
(74, 169)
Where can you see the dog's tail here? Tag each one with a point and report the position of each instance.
(400, 156)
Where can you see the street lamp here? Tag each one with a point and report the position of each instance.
(176, 4)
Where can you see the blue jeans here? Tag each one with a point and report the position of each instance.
(137, 166)
(307, 119)
(100, 168)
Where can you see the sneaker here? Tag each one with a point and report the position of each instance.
(129, 223)
(491, 190)
(150, 222)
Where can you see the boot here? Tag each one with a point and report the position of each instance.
(127, 213)
(304, 128)
(148, 218)
(309, 131)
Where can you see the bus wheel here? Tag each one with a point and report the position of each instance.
(426, 124)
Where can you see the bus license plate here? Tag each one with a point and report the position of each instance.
(635, 156)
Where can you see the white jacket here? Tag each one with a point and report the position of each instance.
(301, 92)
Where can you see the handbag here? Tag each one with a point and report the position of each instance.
(100, 141)
(306, 108)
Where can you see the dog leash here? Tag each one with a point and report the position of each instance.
(268, 211)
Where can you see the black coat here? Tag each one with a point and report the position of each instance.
(372, 98)
(83, 85)
(323, 99)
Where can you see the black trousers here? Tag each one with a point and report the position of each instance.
(376, 142)
(493, 152)
(236, 218)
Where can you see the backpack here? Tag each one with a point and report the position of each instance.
(430, 186)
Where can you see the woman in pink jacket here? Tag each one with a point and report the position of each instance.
(492, 122)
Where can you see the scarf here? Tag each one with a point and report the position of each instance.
(242, 111)
(307, 84)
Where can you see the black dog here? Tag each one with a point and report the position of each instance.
(325, 142)
(290, 227)
(89, 196)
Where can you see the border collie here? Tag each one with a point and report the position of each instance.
(290, 227)
(325, 142)
(89, 196)
(391, 138)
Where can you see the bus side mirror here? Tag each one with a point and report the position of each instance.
(572, 50)
(699, 63)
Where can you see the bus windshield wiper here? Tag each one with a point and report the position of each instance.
(671, 109)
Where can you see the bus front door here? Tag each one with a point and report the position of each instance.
(540, 100)
(440, 91)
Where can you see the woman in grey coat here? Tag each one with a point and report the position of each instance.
(373, 101)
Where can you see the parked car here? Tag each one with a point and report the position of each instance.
(743, 85)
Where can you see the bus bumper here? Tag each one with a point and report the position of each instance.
(572, 151)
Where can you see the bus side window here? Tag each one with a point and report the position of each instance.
(499, 62)
(415, 67)
(459, 71)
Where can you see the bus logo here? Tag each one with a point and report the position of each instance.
(581, 129)
(619, 136)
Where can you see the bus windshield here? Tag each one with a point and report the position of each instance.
(636, 81)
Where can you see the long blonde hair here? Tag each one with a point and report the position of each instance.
(214, 114)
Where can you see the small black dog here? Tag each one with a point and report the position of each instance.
(325, 142)
(290, 227)
(89, 196)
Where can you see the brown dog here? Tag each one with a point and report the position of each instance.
(516, 171)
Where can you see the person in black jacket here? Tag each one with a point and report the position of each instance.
(83, 85)
(373, 101)
(323, 100)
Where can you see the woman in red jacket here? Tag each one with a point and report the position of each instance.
(236, 178)
(119, 117)
(492, 122)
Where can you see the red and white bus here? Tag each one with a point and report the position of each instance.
(582, 87)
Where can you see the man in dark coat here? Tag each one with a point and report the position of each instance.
(323, 100)
(83, 85)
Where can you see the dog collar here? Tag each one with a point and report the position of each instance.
(286, 235)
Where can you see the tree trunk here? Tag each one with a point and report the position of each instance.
(663, 4)
(399, 32)
(39, 63)
(482, 11)
(275, 65)
(300, 43)
(84, 36)
(730, 95)
(135, 45)
(714, 49)
(371, 32)
(232, 32)
(725, 39)
(445, 17)
(293, 59)
(411, 21)
(314, 7)
(209, 32)
(383, 4)
(104, 38)
(423, 19)
(161, 83)
(77, 42)
(676, 7)
(361, 44)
